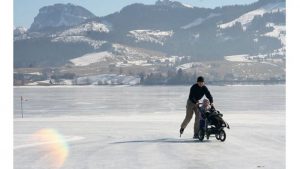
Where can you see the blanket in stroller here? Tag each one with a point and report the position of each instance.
(214, 117)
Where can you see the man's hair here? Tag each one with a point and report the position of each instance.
(200, 79)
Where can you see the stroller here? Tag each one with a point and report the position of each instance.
(212, 123)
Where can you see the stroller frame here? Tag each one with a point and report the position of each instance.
(211, 129)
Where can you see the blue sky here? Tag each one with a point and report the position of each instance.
(24, 11)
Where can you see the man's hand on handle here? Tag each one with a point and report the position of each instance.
(212, 106)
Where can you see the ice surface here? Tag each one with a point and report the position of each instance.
(138, 127)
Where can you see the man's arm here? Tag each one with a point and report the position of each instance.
(208, 95)
(192, 93)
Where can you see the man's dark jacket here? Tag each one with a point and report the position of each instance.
(197, 92)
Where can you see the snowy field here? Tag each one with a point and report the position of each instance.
(237, 58)
(248, 17)
(138, 127)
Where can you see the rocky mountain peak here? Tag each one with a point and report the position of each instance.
(169, 3)
(60, 15)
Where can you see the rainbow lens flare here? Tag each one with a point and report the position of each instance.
(54, 145)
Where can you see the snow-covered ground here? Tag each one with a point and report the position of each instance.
(107, 79)
(237, 58)
(248, 17)
(78, 34)
(96, 44)
(199, 21)
(84, 28)
(278, 32)
(190, 65)
(138, 127)
(124, 56)
(91, 58)
(261, 58)
(153, 36)
(187, 5)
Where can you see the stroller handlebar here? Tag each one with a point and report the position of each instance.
(212, 106)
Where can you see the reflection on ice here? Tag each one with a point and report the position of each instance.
(57, 149)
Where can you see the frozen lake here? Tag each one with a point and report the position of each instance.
(138, 127)
(107, 100)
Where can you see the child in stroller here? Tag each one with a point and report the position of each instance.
(211, 122)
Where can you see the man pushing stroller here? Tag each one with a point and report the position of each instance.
(197, 91)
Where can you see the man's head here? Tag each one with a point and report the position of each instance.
(200, 81)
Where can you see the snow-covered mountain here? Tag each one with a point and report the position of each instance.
(167, 26)
(60, 15)
(166, 36)
(79, 34)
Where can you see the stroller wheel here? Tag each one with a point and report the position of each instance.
(201, 134)
(222, 135)
(217, 136)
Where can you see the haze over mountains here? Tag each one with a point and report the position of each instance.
(230, 42)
